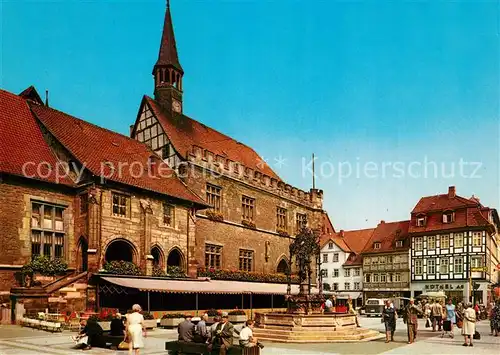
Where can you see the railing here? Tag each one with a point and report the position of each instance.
(386, 267)
(385, 285)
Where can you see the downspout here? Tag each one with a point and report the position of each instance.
(100, 229)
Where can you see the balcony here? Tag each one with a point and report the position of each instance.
(386, 267)
(385, 285)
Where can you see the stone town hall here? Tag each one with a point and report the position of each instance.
(196, 200)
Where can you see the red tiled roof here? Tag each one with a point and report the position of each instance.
(184, 133)
(441, 202)
(387, 233)
(22, 142)
(95, 147)
(326, 238)
(354, 259)
(357, 239)
(327, 224)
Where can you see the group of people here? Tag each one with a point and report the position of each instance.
(442, 317)
(218, 335)
(131, 328)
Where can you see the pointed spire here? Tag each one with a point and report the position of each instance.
(168, 49)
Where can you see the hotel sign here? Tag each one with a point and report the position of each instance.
(444, 287)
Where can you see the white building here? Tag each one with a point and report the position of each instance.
(341, 265)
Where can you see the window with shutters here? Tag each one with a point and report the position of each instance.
(213, 256)
(246, 260)
(47, 230)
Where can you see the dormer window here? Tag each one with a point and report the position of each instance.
(376, 245)
(420, 220)
(399, 243)
(448, 217)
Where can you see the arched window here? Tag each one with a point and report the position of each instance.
(157, 256)
(175, 258)
(282, 267)
(120, 250)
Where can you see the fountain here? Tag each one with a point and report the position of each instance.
(304, 320)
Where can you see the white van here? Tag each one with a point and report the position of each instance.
(374, 307)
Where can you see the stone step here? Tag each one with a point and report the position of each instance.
(312, 328)
(313, 335)
(371, 335)
(307, 331)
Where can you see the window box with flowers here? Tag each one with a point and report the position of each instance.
(248, 224)
(149, 320)
(215, 215)
(218, 274)
(237, 316)
(172, 320)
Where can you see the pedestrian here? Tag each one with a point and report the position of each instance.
(328, 305)
(410, 317)
(477, 310)
(135, 330)
(450, 315)
(389, 319)
(495, 318)
(469, 326)
(437, 315)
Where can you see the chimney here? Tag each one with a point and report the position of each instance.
(47, 98)
(451, 192)
(131, 130)
(341, 233)
(382, 222)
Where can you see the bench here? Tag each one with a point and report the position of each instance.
(181, 347)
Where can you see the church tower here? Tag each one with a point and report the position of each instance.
(167, 71)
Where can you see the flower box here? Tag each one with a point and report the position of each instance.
(214, 215)
(150, 323)
(105, 325)
(248, 224)
(237, 318)
(171, 322)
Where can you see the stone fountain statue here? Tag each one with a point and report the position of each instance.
(304, 248)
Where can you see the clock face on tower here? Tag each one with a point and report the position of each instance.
(176, 106)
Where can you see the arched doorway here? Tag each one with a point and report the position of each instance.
(157, 256)
(175, 258)
(120, 250)
(82, 255)
(282, 267)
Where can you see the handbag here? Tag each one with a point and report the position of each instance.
(123, 346)
(476, 336)
(460, 323)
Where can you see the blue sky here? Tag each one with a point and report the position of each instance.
(366, 83)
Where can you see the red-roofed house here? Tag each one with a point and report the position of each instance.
(253, 210)
(454, 239)
(341, 263)
(386, 267)
(74, 191)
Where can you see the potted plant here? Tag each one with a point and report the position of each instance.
(149, 320)
(172, 320)
(237, 316)
(105, 321)
(211, 314)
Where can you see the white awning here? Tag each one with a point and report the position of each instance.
(202, 286)
(344, 295)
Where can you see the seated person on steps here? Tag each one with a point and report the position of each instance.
(247, 340)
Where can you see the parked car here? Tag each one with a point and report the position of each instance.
(374, 307)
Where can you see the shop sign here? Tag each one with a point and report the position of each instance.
(444, 287)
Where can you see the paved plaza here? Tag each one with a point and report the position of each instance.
(17, 340)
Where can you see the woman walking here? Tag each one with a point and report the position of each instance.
(469, 326)
(495, 319)
(451, 316)
(135, 329)
(389, 319)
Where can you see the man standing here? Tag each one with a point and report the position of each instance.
(437, 315)
(223, 336)
(410, 316)
(186, 330)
